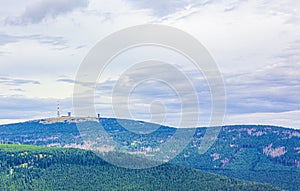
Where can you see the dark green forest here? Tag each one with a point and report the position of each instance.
(26, 167)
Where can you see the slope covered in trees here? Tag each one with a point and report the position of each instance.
(257, 153)
(25, 167)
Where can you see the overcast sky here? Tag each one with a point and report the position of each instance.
(256, 45)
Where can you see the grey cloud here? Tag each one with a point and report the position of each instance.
(288, 10)
(2, 53)
(17, 107)
(42, 10)
(286, 119)
(141, 99)
(169, 7)
(144, 94)
(163, 89)
(51, 40)
(166, 7)
(5, 39)
(66, 80)
(233, 5)
(273, 89)
(17, 81)
(80, 46)
(107, 85)
(229, 9)
(88, 85)
(17, 90)
(289, 14)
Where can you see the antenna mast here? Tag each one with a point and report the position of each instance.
(58, 110)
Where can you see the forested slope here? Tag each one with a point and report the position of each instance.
(25, 167)
(259, 153)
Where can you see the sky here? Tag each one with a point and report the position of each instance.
(256, 45)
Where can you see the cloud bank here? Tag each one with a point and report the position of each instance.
(255, 43)
(41, 10)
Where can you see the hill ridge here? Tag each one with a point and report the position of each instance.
(268, 154)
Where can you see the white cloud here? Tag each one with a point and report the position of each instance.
(255, 43)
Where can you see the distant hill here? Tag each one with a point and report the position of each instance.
(266, 154)
(25, 167)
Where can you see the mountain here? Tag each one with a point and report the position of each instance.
(25, 167)
(266, 154)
